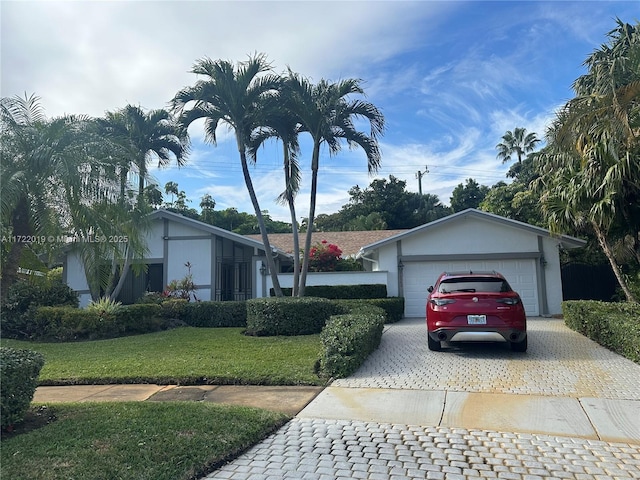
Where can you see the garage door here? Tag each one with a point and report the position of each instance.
(418, 276)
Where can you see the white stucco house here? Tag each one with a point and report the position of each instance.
(228, 266)
(528, 256)
(225, 265)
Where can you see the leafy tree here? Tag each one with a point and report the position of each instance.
(326, 112)
(207, 206)
(469, 195)
(235, 95)
(590, 170)
(153, 195)
(518, 142)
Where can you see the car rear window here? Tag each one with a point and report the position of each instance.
(472, 285)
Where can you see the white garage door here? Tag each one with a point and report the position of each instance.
(418, 276)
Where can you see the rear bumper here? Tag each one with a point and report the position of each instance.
(477, 335)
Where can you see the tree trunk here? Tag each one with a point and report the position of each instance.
(124, 271)
(606, 248)
(294, 224)
(312, 212)
(20, 229)
(263, 230)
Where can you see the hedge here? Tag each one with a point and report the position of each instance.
(19, 370)
(215, 314)
(287, 316)
(66, 324)
(22, 300)
(615, 326)
(392, 306)
(348, 339)
(377, 290)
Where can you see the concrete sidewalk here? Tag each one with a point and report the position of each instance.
(610, 420)
(288, 400)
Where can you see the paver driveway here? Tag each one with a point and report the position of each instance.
(559, 361)
(560, 364)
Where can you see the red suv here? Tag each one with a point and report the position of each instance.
(475, 306)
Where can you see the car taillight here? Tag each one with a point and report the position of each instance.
(441, 301)
(509, 300)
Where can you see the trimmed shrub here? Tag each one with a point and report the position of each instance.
(140, 318)
(377, 290)
(67, 324)
(174, 308)
(19, 370)
(216, 314)
(612, 325)
(22, 300)
(392, 306)
(348, 339)
(287, 316)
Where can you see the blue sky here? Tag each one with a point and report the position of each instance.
(450, 77)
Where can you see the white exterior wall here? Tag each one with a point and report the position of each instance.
(326, 278)
(76, 278)
(553, 275)
(469, 236)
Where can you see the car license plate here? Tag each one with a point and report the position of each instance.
(477, 319)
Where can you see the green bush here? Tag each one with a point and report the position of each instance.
(341, 291)
(22, 300)
(215, 314)
(67, 324)
(174, 308)
(348, 339)
(140, 318)
(19, 370)
(287, 316)
(613, 325)
(392, 306)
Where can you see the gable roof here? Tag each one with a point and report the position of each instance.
(212, 229)
(566, 240)
(350, 242)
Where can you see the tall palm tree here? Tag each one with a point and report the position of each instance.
(144, 137)
(326, 112)
(518, 142)
(236, 95)
(591, 170)
(282, 124)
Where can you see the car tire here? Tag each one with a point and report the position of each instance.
(519, 346)
(434, 345)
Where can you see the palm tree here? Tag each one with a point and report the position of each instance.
(145, 137)
(236, 95)
(591, 168)
(283, 125)
(327, 114)
(518, 142)
(53, 173)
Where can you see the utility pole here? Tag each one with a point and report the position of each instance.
(419, 177)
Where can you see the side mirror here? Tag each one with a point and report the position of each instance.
(430, 289)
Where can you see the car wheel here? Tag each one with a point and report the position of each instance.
(434, 345)
(519, 346)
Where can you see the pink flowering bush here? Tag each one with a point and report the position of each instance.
(324, 257)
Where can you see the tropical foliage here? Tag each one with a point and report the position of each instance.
(590, 169)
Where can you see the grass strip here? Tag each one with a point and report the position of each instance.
(159, 441)
(186, 356)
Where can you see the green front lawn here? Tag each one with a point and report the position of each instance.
(159, 441)
(184, 356)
